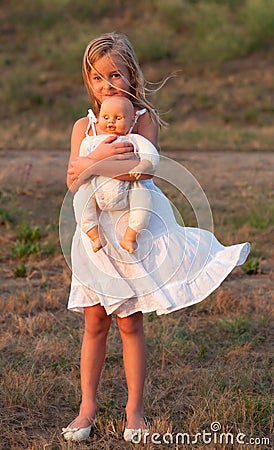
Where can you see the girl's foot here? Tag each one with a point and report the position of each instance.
(135, 433)
(129, 246)
(78, 430)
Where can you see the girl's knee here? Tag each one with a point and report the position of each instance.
(96, 322)
(131, 325)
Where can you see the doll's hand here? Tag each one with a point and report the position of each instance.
(144, 166)
(110, 148)
(135, 173)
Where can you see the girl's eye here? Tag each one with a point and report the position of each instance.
(116, 75)
(96, 78)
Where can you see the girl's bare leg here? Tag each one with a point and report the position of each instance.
(93, 352)
(134, 354)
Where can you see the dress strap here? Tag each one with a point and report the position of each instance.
(91, 122)
(137, 115)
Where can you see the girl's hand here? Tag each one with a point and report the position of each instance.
(110, 148)
(78, 166)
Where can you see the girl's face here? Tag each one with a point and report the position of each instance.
(110, 77)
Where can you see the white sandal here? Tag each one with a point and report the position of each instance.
(135, 434)
(76, 434)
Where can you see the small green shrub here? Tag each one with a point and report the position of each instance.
(20, 270)
(22, 248)
(240, 328)
(252, 266)
(29, 233)
(27, 242)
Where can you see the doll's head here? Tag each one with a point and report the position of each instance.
(116, 115)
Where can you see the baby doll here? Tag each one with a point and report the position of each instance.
(117, 117)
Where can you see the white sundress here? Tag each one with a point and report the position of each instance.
(173, 267)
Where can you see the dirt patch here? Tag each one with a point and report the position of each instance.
(234, 183)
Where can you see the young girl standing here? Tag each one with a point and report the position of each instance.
(158, 276)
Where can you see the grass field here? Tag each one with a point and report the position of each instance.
(221, 53)
(211, 362)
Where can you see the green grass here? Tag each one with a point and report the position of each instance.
(252, 266)
(41, 80)
(20, 270)
(259, 218)
(27, 242)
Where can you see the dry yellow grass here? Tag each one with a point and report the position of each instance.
(207, 363)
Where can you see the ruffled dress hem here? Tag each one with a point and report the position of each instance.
(174, 296)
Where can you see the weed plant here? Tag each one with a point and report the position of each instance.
(20, 270)
(28, 241)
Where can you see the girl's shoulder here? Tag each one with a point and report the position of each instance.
(81, 123)
(147, 127)
(80, 127)
(142, 117)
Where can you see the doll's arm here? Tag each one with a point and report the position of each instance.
(143, 167)
(148, 157)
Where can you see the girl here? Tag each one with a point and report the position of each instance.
(177, 267)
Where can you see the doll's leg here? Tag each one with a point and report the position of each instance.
(89, 223)
(97, 325)
(134, 354)
(139, 214)
(93, 234)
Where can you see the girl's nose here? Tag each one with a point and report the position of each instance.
(107, 86)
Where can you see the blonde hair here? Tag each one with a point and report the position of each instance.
(118, 45)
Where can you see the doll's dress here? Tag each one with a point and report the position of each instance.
(173, 267)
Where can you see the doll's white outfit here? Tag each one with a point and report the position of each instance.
(110, 194)
(173, 267)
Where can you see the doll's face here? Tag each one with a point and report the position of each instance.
(116, 115)
(110, 77)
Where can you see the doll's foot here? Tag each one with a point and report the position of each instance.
(129, 246)
(97, 244)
